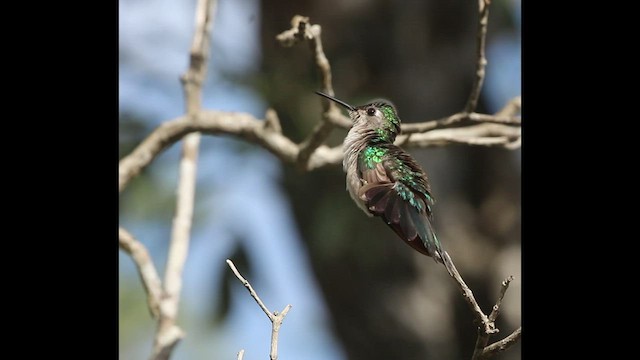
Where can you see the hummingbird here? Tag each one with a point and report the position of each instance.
(384, 180)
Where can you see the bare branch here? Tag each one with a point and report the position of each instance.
(325, 156)
(511, 108)
(457, 118)
(487, 323)
(146, 269)
(252, 292)
(297, 32)
(514, 145)
(488, 326)
(503, 289)
(481, 63)
(242, 125)
(502, 345)
(256, 131)
(275, 317)
(485, 134)
(272, 121)
(167, 333)
(275, 330)
(504, 116)
(198, 55)
(483, 337)
(303, 30)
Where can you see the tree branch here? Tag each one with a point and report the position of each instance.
(502, 345)
(456, 118)
(511, 108)
(166, 335)
(485, 134)
(483, 337)
(507, 115)
(275, 317)
(483, 9)
(488, 326)
(146, 269)
(303, 30)
(487, 323)
(311, 154)
(503, 289)
(260, 132)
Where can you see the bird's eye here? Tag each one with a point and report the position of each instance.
(371, 111)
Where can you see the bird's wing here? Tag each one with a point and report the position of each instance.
(397, 190)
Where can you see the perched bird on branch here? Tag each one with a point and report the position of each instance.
(384, 180)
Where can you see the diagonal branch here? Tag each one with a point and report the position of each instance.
(146, 269)
(487, 325)
(512, 107)
(249, 288)
(502, 345)
(275, 317)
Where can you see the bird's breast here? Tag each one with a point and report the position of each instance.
(354, 143)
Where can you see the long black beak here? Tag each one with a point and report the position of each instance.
(351, 108)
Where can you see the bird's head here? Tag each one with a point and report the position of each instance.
(378, 115)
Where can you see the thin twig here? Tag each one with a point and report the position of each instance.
(512, 107)
(485, 134)
(488, 326)
(483, 337)
(472, 103)
(502, 345)
(166, 335)
(146, 269)
(503, 289)
(303, 30)
(252, 292)
(275, 317)
(456, 118)
(487, 323)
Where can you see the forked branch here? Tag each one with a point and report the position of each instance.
(275, 317)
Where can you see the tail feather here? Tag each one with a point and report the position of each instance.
(425, 232)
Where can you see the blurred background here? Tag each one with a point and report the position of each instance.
(357, 291)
